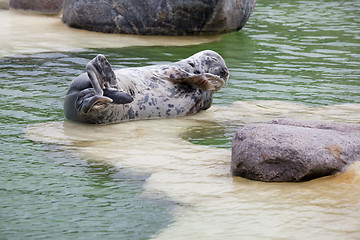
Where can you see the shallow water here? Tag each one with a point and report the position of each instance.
(25, 33)
(292, 60)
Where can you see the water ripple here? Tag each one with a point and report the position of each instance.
(302, 51)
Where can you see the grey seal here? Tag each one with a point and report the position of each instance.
(103, 95)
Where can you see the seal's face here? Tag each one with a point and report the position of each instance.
(212, 62)
(216, 65)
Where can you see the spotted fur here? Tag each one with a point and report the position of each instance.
(159, 91)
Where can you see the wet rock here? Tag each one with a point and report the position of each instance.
(43, 6)
(341, 127)
(158, 17)
(288, 150)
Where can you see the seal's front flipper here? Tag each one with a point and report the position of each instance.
(117, 96)
(87, 101)
(205, 81)
(215, 83)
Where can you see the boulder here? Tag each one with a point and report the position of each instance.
(158, 17)
(42, 6)
(288, 150)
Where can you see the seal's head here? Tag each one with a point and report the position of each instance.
(211, 62)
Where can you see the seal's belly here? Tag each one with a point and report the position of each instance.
(150, 104)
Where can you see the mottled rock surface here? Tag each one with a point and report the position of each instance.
(158, 17)
(287, 150)
(43, 6)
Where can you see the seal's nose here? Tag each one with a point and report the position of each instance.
(224, 73)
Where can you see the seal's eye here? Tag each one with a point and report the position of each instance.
(211, 59)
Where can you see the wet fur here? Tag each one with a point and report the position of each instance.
(175, 89)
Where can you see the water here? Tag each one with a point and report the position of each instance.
(295, 59)
(46, 192)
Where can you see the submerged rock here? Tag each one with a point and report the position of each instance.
(154, 17)
(288, 150)
(43, 6)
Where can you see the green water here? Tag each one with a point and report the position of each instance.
(300, 51)
(46, 192)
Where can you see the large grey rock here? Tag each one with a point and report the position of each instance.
(42, 6)
(288, 150)
(158, 17)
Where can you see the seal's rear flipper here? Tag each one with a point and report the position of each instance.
(87, 100)
(117, 96)
(101, 74)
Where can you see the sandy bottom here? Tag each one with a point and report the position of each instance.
(26, 33)
(212, 203)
